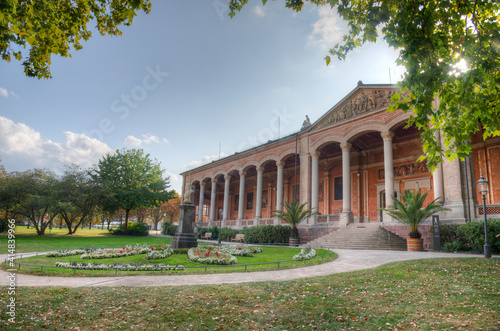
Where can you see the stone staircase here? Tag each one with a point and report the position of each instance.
(368, 236)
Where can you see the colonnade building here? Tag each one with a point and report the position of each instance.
(347, 165)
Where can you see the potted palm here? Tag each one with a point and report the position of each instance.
(293, 214)
(409, 211)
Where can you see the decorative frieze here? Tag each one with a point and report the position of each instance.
(406, 170)
(362, 103)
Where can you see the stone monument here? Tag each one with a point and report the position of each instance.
(185, 237)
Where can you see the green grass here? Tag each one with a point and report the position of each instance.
(268, 255)
(435, 294)
(28, 241)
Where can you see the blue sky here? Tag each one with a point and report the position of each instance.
(179, 82)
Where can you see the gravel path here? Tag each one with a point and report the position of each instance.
(348, 260)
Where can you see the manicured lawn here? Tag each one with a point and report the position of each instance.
(436, 294)
(268, 255)
(28, 241)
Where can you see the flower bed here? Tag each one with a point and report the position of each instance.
(115, 252)
(305, 254)
(239, 250)
(159, 254)
(211, 255)
(67, 252)
(118, 266)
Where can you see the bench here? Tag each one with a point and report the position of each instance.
(207, 236)
(240, 237)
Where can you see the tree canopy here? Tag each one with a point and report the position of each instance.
(56, 26)
(451, 52)
(30, 194)
(134, 179)
(77, 197)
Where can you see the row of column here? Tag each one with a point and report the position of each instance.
(227, 180)
(346, 174)
(346, 183)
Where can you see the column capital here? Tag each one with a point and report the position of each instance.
(243, 173)
(203, 184)
(227, 178)
(315, 155)
(326, 174)
(388, 135)
(260, 170)
(214, 181)
(346, 147)
(280, 164)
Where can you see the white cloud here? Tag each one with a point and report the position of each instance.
(174, 179)
(146, 140)
(149, 138)
(133, 141)
(4, 93)
(259, 11)
(23, 148)
(206, 159)
(327, 30)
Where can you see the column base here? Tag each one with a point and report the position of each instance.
(346, 217)
(184, 240)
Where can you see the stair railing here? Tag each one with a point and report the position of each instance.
(388, 234)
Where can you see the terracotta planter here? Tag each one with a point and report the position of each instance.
(413, 244)
(293, 242)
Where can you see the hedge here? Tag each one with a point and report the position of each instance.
(134, 229)
(267, 234)
(469, 236)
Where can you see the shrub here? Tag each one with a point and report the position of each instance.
(448, 233)
(169, 229)
(213, 229)
(4, 224)
(228, 233)
(454, 246)
(134, 229)
(472, 234)
(267, 234)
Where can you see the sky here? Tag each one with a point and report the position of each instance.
(187, 84)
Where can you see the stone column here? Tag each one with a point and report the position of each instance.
(201, 203)
(315, 180)
(305, 180)
(279, 184)
(346, 217)
(326, 202)
(227, 180)
(453, 186)
(241, 202)
(286, 192)
(258, 202)
(212, 200)
(269, 199)
(437, 177)
(388, 168)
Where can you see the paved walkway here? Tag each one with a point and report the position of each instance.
(348, 260)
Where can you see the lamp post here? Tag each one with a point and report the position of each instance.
(221, 211)
(482, 185)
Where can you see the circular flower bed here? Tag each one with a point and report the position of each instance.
(306, 254)
(117, 266)
(211, 255)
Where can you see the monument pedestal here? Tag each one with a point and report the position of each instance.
(185, 238)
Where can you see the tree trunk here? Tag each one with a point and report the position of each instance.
(126, 218)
